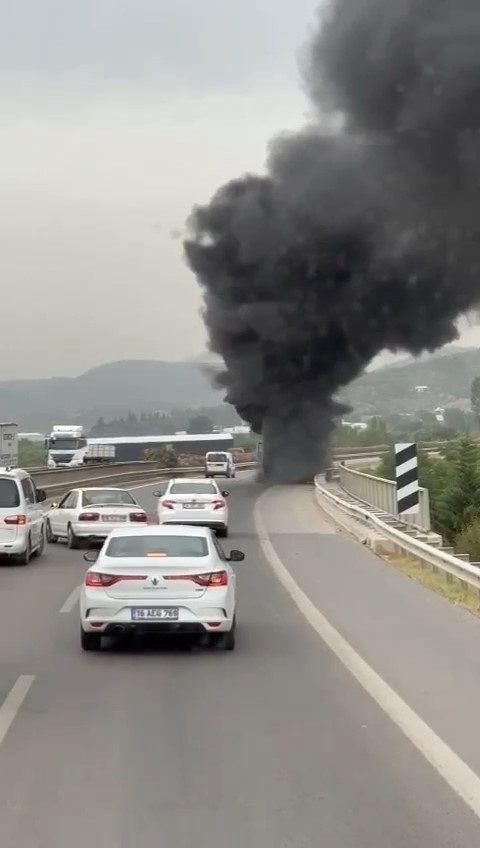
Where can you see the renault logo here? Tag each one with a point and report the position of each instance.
(155, 581)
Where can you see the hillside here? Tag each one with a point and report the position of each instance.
(109, 390)
(392, 389)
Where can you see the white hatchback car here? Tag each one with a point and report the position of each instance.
(174, 580)
(195, 501)
(22, 520)
(90, 514)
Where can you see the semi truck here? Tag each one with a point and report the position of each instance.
(65, 446)
(8, 445)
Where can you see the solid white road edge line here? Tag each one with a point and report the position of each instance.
(71, 601)
(13, 702)
(459, 776)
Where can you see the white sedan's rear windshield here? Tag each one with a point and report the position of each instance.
(107, 496)
(193, 489)
(157, 546)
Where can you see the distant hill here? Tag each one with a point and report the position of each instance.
(448, 377)
(109, 390)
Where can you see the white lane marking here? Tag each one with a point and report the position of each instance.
(71, 601)
(13, 702)
(459, 776)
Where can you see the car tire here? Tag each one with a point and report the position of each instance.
(39, 551)
(25, 557)
(222, 532)
(72, 541)
(51, 539)
(224, 641)
(90, 641)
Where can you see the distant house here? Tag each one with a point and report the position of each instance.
(420, 389)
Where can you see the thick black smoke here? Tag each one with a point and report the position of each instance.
(359, 239)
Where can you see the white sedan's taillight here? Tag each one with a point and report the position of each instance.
(138, 517)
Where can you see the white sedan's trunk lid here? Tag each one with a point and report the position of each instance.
(156, 579)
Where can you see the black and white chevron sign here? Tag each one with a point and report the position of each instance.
(406, 475)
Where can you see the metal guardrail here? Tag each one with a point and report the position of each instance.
(454, 569)
(124, 474)
(382, 493)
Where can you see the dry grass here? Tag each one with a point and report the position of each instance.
(457, 593)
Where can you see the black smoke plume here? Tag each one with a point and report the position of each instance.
(361, 238)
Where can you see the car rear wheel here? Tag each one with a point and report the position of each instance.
(224, 641)
(51, 539)
(41, 545)
(90, 641)
(222, 532)
(25, 557)
(72, 540)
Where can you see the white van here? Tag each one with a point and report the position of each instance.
(219, 464)
(22, 520)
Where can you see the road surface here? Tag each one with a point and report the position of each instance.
(274, 746)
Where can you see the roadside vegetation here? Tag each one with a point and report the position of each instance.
(30, 454)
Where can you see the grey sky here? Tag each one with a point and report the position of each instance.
(116, 116)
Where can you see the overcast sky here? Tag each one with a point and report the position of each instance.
(116, 116)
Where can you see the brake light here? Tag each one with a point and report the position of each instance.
(168, 504)
(88, 516)
(218, 504)
(138, 516)
(98, 580)
(15, 519)
(214, 578)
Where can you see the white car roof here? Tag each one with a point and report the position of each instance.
(162, 530)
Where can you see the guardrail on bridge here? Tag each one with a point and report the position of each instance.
(382, 493)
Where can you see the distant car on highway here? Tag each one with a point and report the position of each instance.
(90, 514)
(160, 579)
(219, 464)
(22, 520)
(193, 501)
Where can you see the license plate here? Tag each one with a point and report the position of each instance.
(114, 517)
(193, 506)
(155, 614)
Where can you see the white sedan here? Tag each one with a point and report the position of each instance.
(174, 580)
(90, 514)
(195, 501)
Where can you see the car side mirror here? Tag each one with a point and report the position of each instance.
(226, 494)
(41, 495)
(236, 556)
(90, 556)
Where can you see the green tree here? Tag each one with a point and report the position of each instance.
(475, 398)
(459, 504)
(31, 454)
(200, 424)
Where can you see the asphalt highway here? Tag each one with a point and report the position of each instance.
(324, 728)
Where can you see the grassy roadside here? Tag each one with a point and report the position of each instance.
(455, 592)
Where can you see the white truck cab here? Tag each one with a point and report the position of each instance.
(219, 464)
(66, 446)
